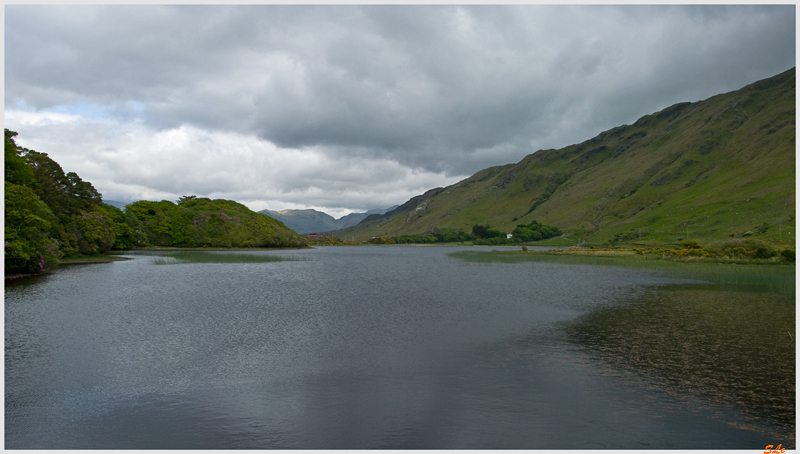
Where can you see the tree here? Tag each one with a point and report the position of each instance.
(28, 246)
(93, 230)
(450, 235)
(480, 231)
(65, 194)
(535, 231)
(128, 231)
(17, 171)
(485, 232)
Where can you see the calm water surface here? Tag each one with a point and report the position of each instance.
(373, 347)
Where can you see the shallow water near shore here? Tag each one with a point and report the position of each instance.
(392, 347)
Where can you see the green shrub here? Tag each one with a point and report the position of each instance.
(764, 253)
(535, 232)
(381, 240)
(691, 244)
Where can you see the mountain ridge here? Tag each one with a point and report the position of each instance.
(313, 221)
(689, 170)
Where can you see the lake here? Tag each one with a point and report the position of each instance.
(393, 347)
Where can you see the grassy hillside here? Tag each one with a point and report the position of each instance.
(708, 171)
(198, 222)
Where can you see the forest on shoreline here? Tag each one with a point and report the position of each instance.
(51, 215)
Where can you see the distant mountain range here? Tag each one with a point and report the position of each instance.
(116, 203)
(313, 221)
(711, 170)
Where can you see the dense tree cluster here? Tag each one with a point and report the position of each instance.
(50, 214)
(485, 232)
(439, 235)
(535, 232)
(481, 235)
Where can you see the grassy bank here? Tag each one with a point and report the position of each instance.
(74, 260)
(771, 274)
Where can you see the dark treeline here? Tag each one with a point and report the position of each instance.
(481, 235)
(50, 215)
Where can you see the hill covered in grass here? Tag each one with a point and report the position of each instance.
(709, 171)
(198, 222)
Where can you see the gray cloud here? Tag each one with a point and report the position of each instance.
(445, 90)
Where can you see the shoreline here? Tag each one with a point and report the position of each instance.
(663, 255)
(70, 261)
(204, 248)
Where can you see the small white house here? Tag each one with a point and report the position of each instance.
(508, 236)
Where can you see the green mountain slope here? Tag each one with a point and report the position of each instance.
(710, 170)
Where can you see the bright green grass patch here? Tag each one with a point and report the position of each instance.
(174, 258)
(771, 278)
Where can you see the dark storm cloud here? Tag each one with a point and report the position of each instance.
(448, 89)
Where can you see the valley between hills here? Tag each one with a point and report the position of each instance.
(710, 177)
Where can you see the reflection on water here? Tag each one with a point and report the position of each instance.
(733, 347)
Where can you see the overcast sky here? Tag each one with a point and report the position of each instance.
(348, 108)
